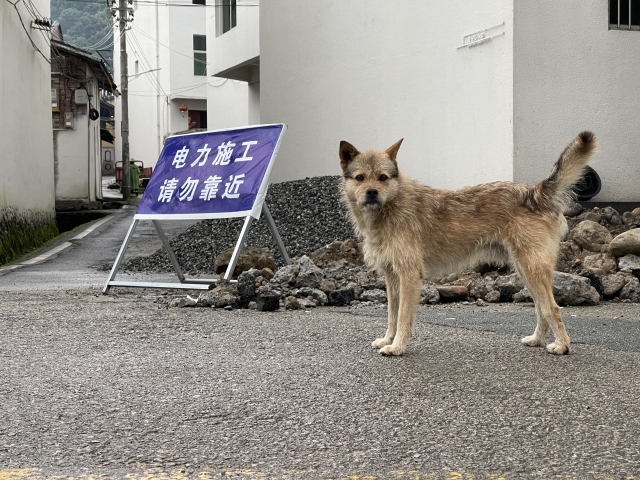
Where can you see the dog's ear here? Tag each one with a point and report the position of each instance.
(347, 153)
(392, 151)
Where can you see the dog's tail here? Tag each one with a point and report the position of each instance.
(569, 168)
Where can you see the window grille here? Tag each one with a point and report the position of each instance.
(624, 14)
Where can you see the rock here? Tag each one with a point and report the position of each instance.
(574, 290)
(612, 284)
(286, 275)
(181, 302)
(327, 285)
(568, 256)
(568, 289)
(608, 213)
(632, 262)
(591, 236)
(590, 216)
(481, 303)
(267, 273)
(267, 302)
(306, 303)
(598, 272)
(628, 218)
(429, 294)
(452, 293)
(291, 303)
(636, 211)
(602, 261)
(509, 284)
(221, 296)
(376, 295)
(250, 257)
(483, 287)
(595, 281)
(341, 297)
(626, 243)
(522, 296)
(370, 279)
(347, 252)
(313, 293)
(493, 296)
(573, 209)
(246, 286)
(309, 275)
(631, 290)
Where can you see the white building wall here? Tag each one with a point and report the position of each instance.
(374, 72)
(232, 100)
(570, 74)
(161, 39)
(26, 142)
(77, 154)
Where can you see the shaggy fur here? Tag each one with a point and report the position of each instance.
(412, 231)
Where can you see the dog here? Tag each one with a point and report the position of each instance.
(412, 232)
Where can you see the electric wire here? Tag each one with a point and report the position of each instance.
(15, 6)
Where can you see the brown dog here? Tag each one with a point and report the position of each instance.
(411, 231)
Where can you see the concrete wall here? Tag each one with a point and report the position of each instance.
(78, 152)
(571, 73)
(374, 72)
(27, 196)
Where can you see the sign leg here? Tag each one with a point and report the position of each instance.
(239, 245)
(120, 257)
(167, 247)
(275, 234)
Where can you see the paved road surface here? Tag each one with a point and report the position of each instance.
(118, 386)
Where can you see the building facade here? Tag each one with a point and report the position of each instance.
(27, 195)
(78, 82)
(169, 78)
(480, 91)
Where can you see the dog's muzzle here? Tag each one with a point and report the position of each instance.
(371, 197)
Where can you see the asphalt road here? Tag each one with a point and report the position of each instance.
(118, 386)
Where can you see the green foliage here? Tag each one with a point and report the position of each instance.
(84, 23)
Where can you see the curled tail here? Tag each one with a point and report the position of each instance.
(569, 168)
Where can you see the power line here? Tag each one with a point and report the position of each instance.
(15, 6)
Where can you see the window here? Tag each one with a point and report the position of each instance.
(199, 2)
(226, 11)
(200, 55)
(624, 14)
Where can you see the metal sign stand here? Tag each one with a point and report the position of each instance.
(191, 283)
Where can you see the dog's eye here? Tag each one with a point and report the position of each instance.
(383, 178)
(360, 178)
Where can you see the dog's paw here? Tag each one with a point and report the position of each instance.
(391, 350)
(558, 349)
(532, 341)
(380, 342)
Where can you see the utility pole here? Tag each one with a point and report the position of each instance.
(123, 12)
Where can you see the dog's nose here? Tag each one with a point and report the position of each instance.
(372, 193)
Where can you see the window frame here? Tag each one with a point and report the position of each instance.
(633, 14)
(199, 56)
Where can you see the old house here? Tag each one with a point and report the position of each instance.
(80, 83)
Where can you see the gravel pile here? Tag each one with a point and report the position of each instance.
(308, 214)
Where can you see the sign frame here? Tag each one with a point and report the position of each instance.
(259, 207)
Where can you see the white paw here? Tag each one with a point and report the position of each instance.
(558, 349)
(391, 350)
(380, 342)
(532, 341)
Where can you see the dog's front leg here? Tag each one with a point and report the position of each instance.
(410, 286)
(393, 302)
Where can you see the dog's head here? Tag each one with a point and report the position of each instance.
(370, 177)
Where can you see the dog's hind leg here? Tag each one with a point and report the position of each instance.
(393, 303)
(538, 276)
(409, 296)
